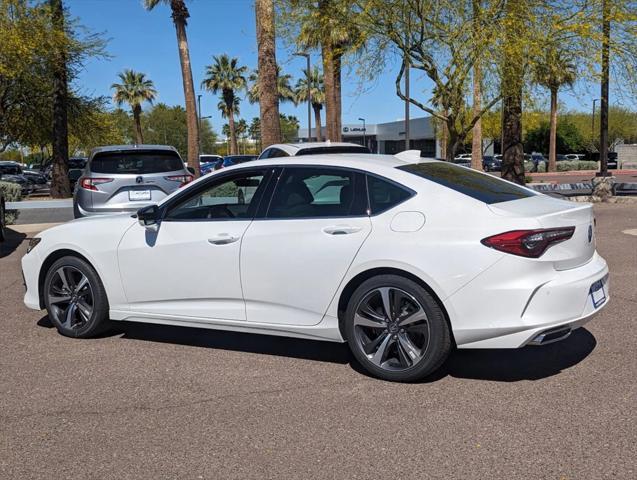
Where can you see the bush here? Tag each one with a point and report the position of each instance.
(566, 166)
(528, 166)
(11, 193)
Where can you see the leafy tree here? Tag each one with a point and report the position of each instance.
(180, 17)
(316, 92)
(227, 77)
(134, 89)
(567, 138)
(289, 128)
(268, 72)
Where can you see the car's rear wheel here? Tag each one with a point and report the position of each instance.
(75, 298)
(396, 330)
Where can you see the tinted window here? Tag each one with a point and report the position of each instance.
(233, 197)
(277, 153)
(138, 163)
(10, 169)
(384, 195)
(486, 188)
(333, 149)
(318, 192)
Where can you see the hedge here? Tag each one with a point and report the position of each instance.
(11, 192)
(563, 166)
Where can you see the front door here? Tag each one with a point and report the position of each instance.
(293, 259)
(189, 268)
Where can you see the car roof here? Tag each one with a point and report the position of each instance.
(294, 148)
(119, 148)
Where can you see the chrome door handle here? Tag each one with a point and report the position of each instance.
(222, 239)
(341, 230)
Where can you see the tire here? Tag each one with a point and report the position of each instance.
(2, 222)
(416, 340)
(75, 312)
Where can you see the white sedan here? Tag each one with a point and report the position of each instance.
(401, 258)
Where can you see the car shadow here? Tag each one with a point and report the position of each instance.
(11, 243)
(499, 365)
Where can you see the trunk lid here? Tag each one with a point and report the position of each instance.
(550, 212)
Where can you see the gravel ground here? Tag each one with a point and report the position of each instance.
(164, 402)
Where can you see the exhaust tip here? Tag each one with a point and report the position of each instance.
(551, 335)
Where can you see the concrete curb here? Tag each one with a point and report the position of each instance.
(32, 227)
(40, 204)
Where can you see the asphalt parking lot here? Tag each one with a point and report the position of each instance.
(165, 402)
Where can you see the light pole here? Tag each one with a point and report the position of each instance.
(308, 75)
(593, 121)
(364, 131)
(199, 122)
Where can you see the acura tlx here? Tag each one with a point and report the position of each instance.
(402, 258)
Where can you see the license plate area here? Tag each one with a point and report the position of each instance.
(598, 292)
(139, 195)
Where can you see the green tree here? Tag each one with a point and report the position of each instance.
(180, 17)
(316, 93)
(227, 77)
(134, 89)
(554, 70)
(568, 138)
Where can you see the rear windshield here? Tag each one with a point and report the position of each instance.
(335, 149)
(486, 188)
(138, 163)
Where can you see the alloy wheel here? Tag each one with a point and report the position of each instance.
(391, 328)
(70, 298)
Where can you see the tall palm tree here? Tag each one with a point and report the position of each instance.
(285, 91)
(317, 94)
(134, 90)
(180, 17)
(60, 187)
(553, 71)
(227, 77)
(268, 76)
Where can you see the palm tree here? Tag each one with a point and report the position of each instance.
(317, 93)
(268, 78)
(134, 90)
(227, 77)
(180, 17)
(60, 187)
(553, 71)
(285, 91)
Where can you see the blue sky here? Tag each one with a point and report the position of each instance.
(145, 41)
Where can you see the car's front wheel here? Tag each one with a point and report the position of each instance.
(396, 329)
(75, 298)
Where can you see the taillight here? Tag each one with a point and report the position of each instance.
(91, 183)
(528, 243)
(183, 179)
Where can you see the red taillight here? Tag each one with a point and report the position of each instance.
(91, 183)
(528, 243)
(183, 179)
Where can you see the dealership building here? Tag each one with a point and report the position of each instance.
(389, 137)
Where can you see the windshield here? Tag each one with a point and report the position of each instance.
(480, 186)
(138, 163)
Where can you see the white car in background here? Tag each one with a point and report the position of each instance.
(402, 258)
(310, 148)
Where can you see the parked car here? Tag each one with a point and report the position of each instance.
(401, 259)
(36, 178)
(491, 164)
(123, 178)
(463, 162)
(12, 172)
(463, 156)
(230, 160)
(207, 163)
(310, 148)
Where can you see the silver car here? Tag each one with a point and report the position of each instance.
(124, 178)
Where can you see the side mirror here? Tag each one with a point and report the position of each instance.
(148, 217)
(191, 170)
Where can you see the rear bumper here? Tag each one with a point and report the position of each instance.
(85, 212)
(503, 309)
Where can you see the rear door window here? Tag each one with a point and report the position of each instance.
(138, 163)
(384, 194)
(480, 186)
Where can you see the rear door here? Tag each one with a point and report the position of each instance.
(294, 257)
(128, 180)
